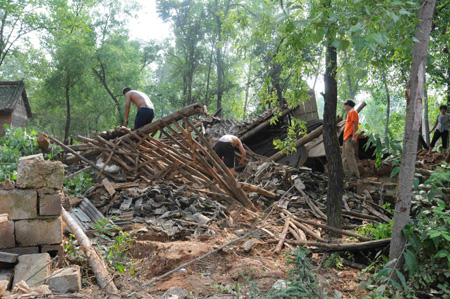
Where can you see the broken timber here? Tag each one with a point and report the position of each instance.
(183, 155)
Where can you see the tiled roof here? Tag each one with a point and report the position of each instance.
(10, 92)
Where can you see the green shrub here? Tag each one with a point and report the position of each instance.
(79, 184)
(118, 242)
(15, 144)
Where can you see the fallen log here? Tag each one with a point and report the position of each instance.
(178, 115)
(253, 188)
(104, 279)
(335, 247)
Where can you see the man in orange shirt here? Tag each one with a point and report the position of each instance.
(350, 141)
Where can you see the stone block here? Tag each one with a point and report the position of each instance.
(7, 239)
(38, 231)
(50, 202)
(33, 264)
(65, 280)
(8, 258)
(18, 204)
(22, 250)
(40, 174)
(5, 279)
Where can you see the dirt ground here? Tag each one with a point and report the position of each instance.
(229, 272)
(224, 274)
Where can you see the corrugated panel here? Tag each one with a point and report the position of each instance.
(86, 215)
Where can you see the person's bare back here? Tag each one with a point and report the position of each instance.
(138, 98)
(144, 106)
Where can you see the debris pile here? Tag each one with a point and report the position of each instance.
(183, 155)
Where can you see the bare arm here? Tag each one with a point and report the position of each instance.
(435, 125)
(243, 152)
(355, 129)
(127, 110)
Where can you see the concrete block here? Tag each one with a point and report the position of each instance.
(50, 202)
(18, 204)
(8, 258)
(65, 280)
(33, 264)
(22, 250)
(7, 239)
(54, 250)
(38, 231)
(40, 174)
(6, 276)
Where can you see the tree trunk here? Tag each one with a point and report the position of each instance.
(207, 82)
(102, 78)
(425, 129)
(388, 106)
(247, 88)
(412, 126)
(67, 129)
(448, 77)
(331, 143)
(219, 61)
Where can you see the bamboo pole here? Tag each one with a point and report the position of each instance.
(104, 279)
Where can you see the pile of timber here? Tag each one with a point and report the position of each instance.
(182, 155)
(300, 203)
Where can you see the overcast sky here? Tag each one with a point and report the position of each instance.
(148, 25)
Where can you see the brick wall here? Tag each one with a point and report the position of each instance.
(30, 212)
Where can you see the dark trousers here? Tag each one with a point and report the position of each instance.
(438, 134)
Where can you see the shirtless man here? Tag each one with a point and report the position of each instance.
(146, 111)
(224, 148)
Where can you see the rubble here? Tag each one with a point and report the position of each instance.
(33, 269)
(166, 191)
(66, 280)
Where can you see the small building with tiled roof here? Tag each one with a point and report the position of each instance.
(14, 105)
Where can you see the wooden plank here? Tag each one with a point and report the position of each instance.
(109, 187)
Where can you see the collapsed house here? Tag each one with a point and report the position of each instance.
(175, 187)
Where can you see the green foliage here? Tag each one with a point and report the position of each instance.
(69, 246)
(438, 180)
(294, 132)
(79, 184)
(300, 282)
(118, 243)
(334, 261)
(426, 255)
(385, 147)
(376, 231)
(15, 144)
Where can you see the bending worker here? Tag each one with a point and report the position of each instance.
(224, 148)
(146, 111)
